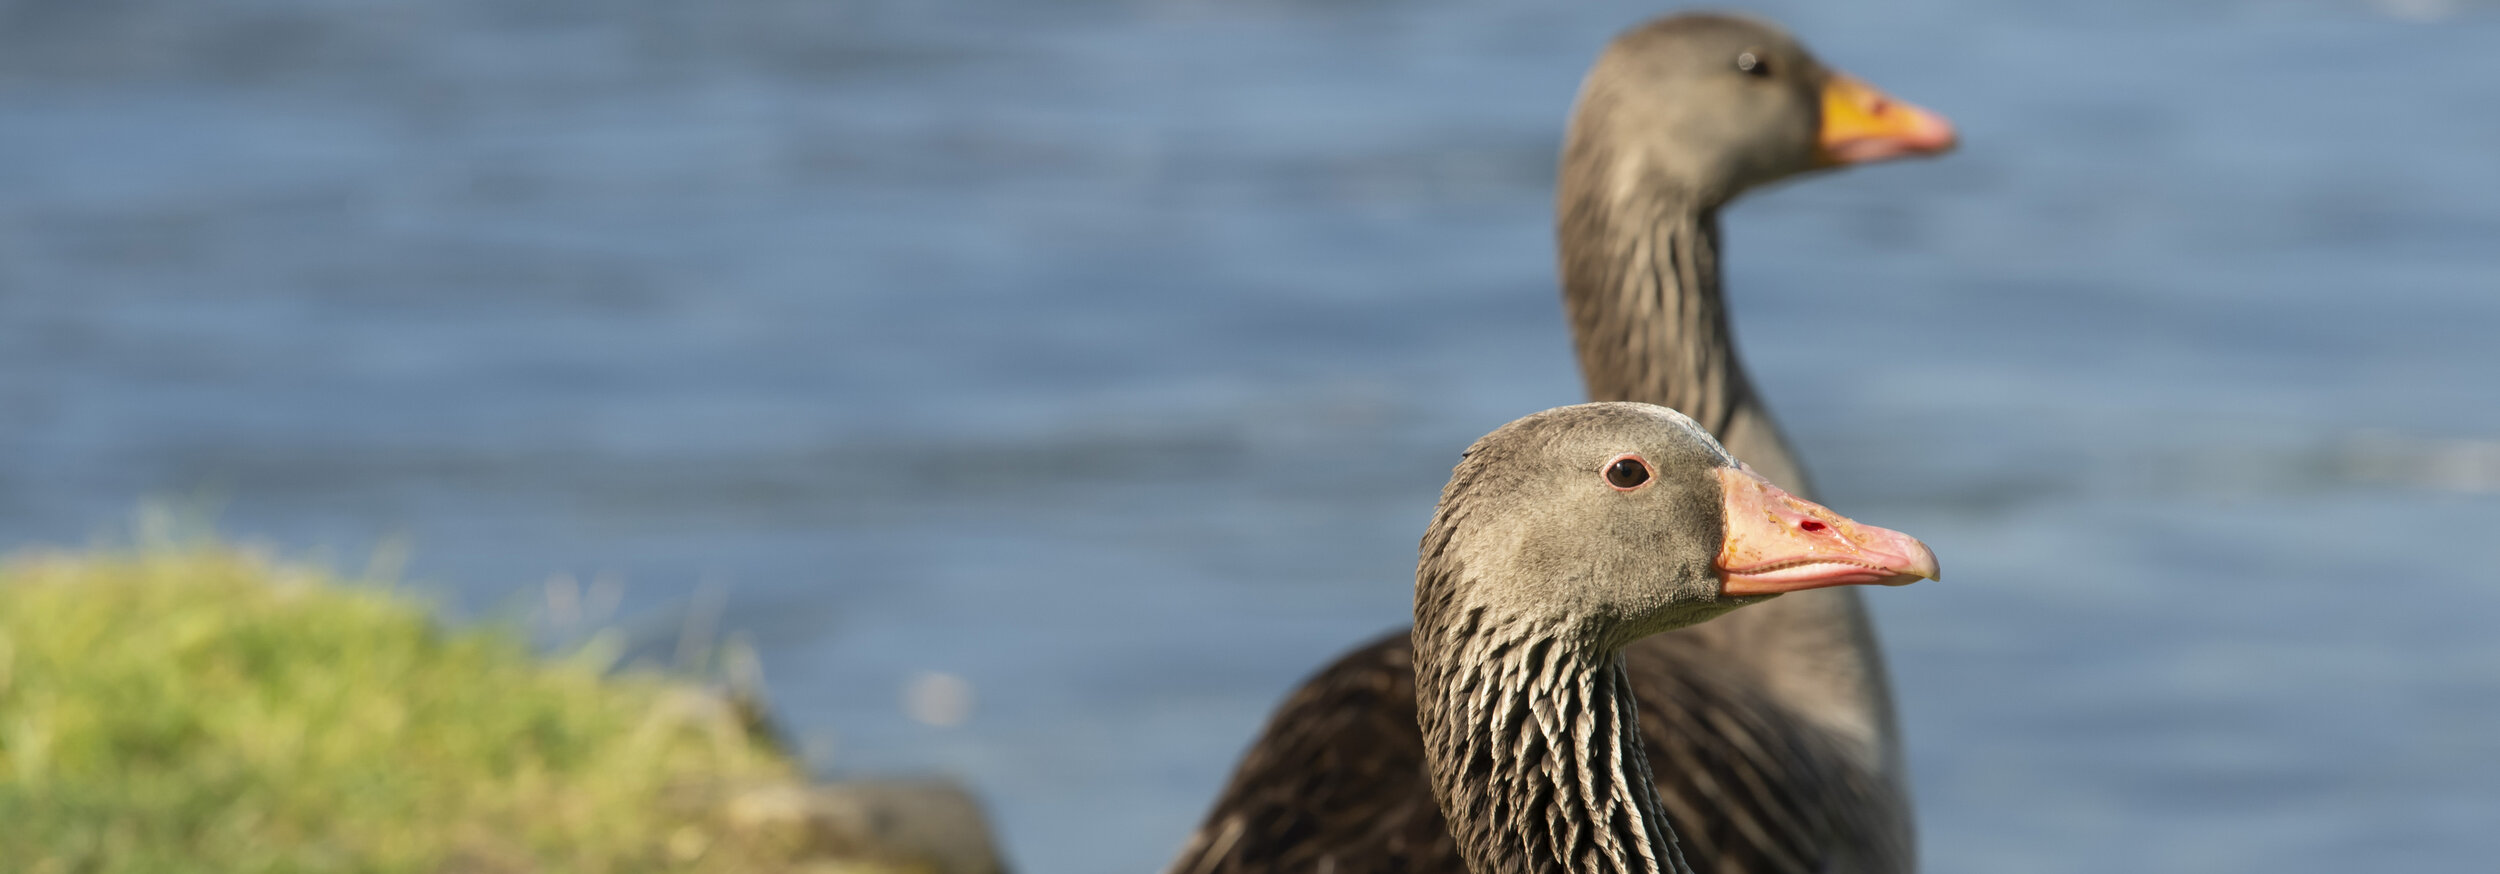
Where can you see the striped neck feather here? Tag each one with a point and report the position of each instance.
(1534, 750)
(1641, 286)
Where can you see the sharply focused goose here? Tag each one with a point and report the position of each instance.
(1771, 732)
(1561, 538)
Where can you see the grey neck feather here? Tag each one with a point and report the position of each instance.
(1641, 284)
(1640, 267)
(1533, 745)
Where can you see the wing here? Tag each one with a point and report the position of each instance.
(1335, 783)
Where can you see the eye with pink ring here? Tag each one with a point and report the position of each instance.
(1625, 472)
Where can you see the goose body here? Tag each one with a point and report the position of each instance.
(1769, 734)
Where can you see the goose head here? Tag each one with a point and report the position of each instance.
(1713, 105)
(1614, 521)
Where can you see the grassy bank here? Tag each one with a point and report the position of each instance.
(208, 709)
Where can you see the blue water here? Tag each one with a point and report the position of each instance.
(1108, 356)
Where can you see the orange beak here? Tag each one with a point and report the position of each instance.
(1778, 542)
(1862, 124)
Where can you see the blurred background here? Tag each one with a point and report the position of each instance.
(1044, 387)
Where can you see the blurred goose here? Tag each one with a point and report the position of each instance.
(1771, 734)
(1561, 538)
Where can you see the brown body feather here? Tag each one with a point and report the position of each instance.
(1336, 782)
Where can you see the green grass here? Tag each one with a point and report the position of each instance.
(205, 708)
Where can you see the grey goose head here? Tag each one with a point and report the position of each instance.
(1622, 520)
(1710, 105)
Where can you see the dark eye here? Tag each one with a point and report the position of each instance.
(1754, 63)
(1627, 472)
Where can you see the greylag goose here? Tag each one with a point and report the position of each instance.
(1770, 733)
(1561, 538)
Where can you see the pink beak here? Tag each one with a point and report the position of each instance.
(1778, 542)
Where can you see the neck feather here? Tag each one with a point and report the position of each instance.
(1640, 267)
(1534, 748)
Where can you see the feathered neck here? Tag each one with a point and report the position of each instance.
(1640, 268)
(1532, 743)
